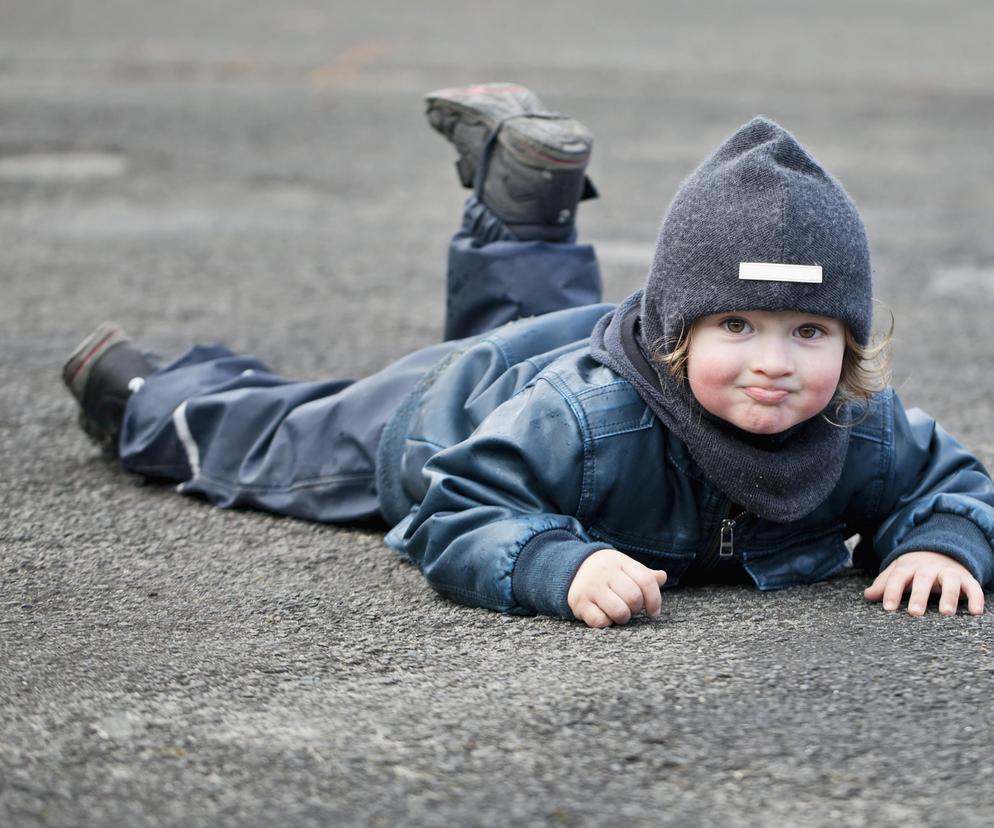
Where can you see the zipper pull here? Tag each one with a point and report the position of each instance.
(726, 547)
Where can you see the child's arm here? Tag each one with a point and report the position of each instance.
(934, 506)
(501, 523)
(925, 573)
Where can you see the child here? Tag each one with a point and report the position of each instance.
(726, 423)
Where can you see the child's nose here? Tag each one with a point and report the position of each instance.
(772, 358)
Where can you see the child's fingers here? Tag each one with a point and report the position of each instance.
(628, 590)
(609, 587)
(921, 588)
(927, 572)
(648, 582)
(875, 591)
(897, 582)
(614, 606)
(652, 600)
(593, 616)
(949, 599)
(975, 595)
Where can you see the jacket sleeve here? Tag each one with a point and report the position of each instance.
(937, 497)
(497, 527)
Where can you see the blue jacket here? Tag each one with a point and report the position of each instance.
(520, 455)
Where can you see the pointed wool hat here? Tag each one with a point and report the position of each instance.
(760, 199)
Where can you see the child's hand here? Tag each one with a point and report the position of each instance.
(609, 588)
(927, 572)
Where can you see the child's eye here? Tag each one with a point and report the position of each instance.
(735, 325)
(809, 332)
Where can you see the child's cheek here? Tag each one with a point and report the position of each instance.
(823, 386)
(823, 380)
(711, 381)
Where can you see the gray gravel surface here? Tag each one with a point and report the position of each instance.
(260, 174)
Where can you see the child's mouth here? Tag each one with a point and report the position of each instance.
(770, 396)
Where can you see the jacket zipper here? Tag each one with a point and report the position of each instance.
(722, 548)
(726, 539)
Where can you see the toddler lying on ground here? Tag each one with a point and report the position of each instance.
(728, 422)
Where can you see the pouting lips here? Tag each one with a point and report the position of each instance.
(766, 395)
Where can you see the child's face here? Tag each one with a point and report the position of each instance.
(765, 371)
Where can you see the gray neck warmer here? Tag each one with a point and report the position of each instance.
(780, 477)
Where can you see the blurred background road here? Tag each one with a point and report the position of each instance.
(261, 174)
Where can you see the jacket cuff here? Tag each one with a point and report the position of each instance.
(952, 535)
(546, 567)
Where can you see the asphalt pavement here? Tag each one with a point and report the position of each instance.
(261, 174)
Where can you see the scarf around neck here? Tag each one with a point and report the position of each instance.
(780, 477)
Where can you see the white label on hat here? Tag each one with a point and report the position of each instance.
(770, 272)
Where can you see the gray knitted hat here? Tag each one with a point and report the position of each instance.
(759, 199)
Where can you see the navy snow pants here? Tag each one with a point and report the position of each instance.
(226, 427)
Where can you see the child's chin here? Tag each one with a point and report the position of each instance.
(766, 423)
(756, 418)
